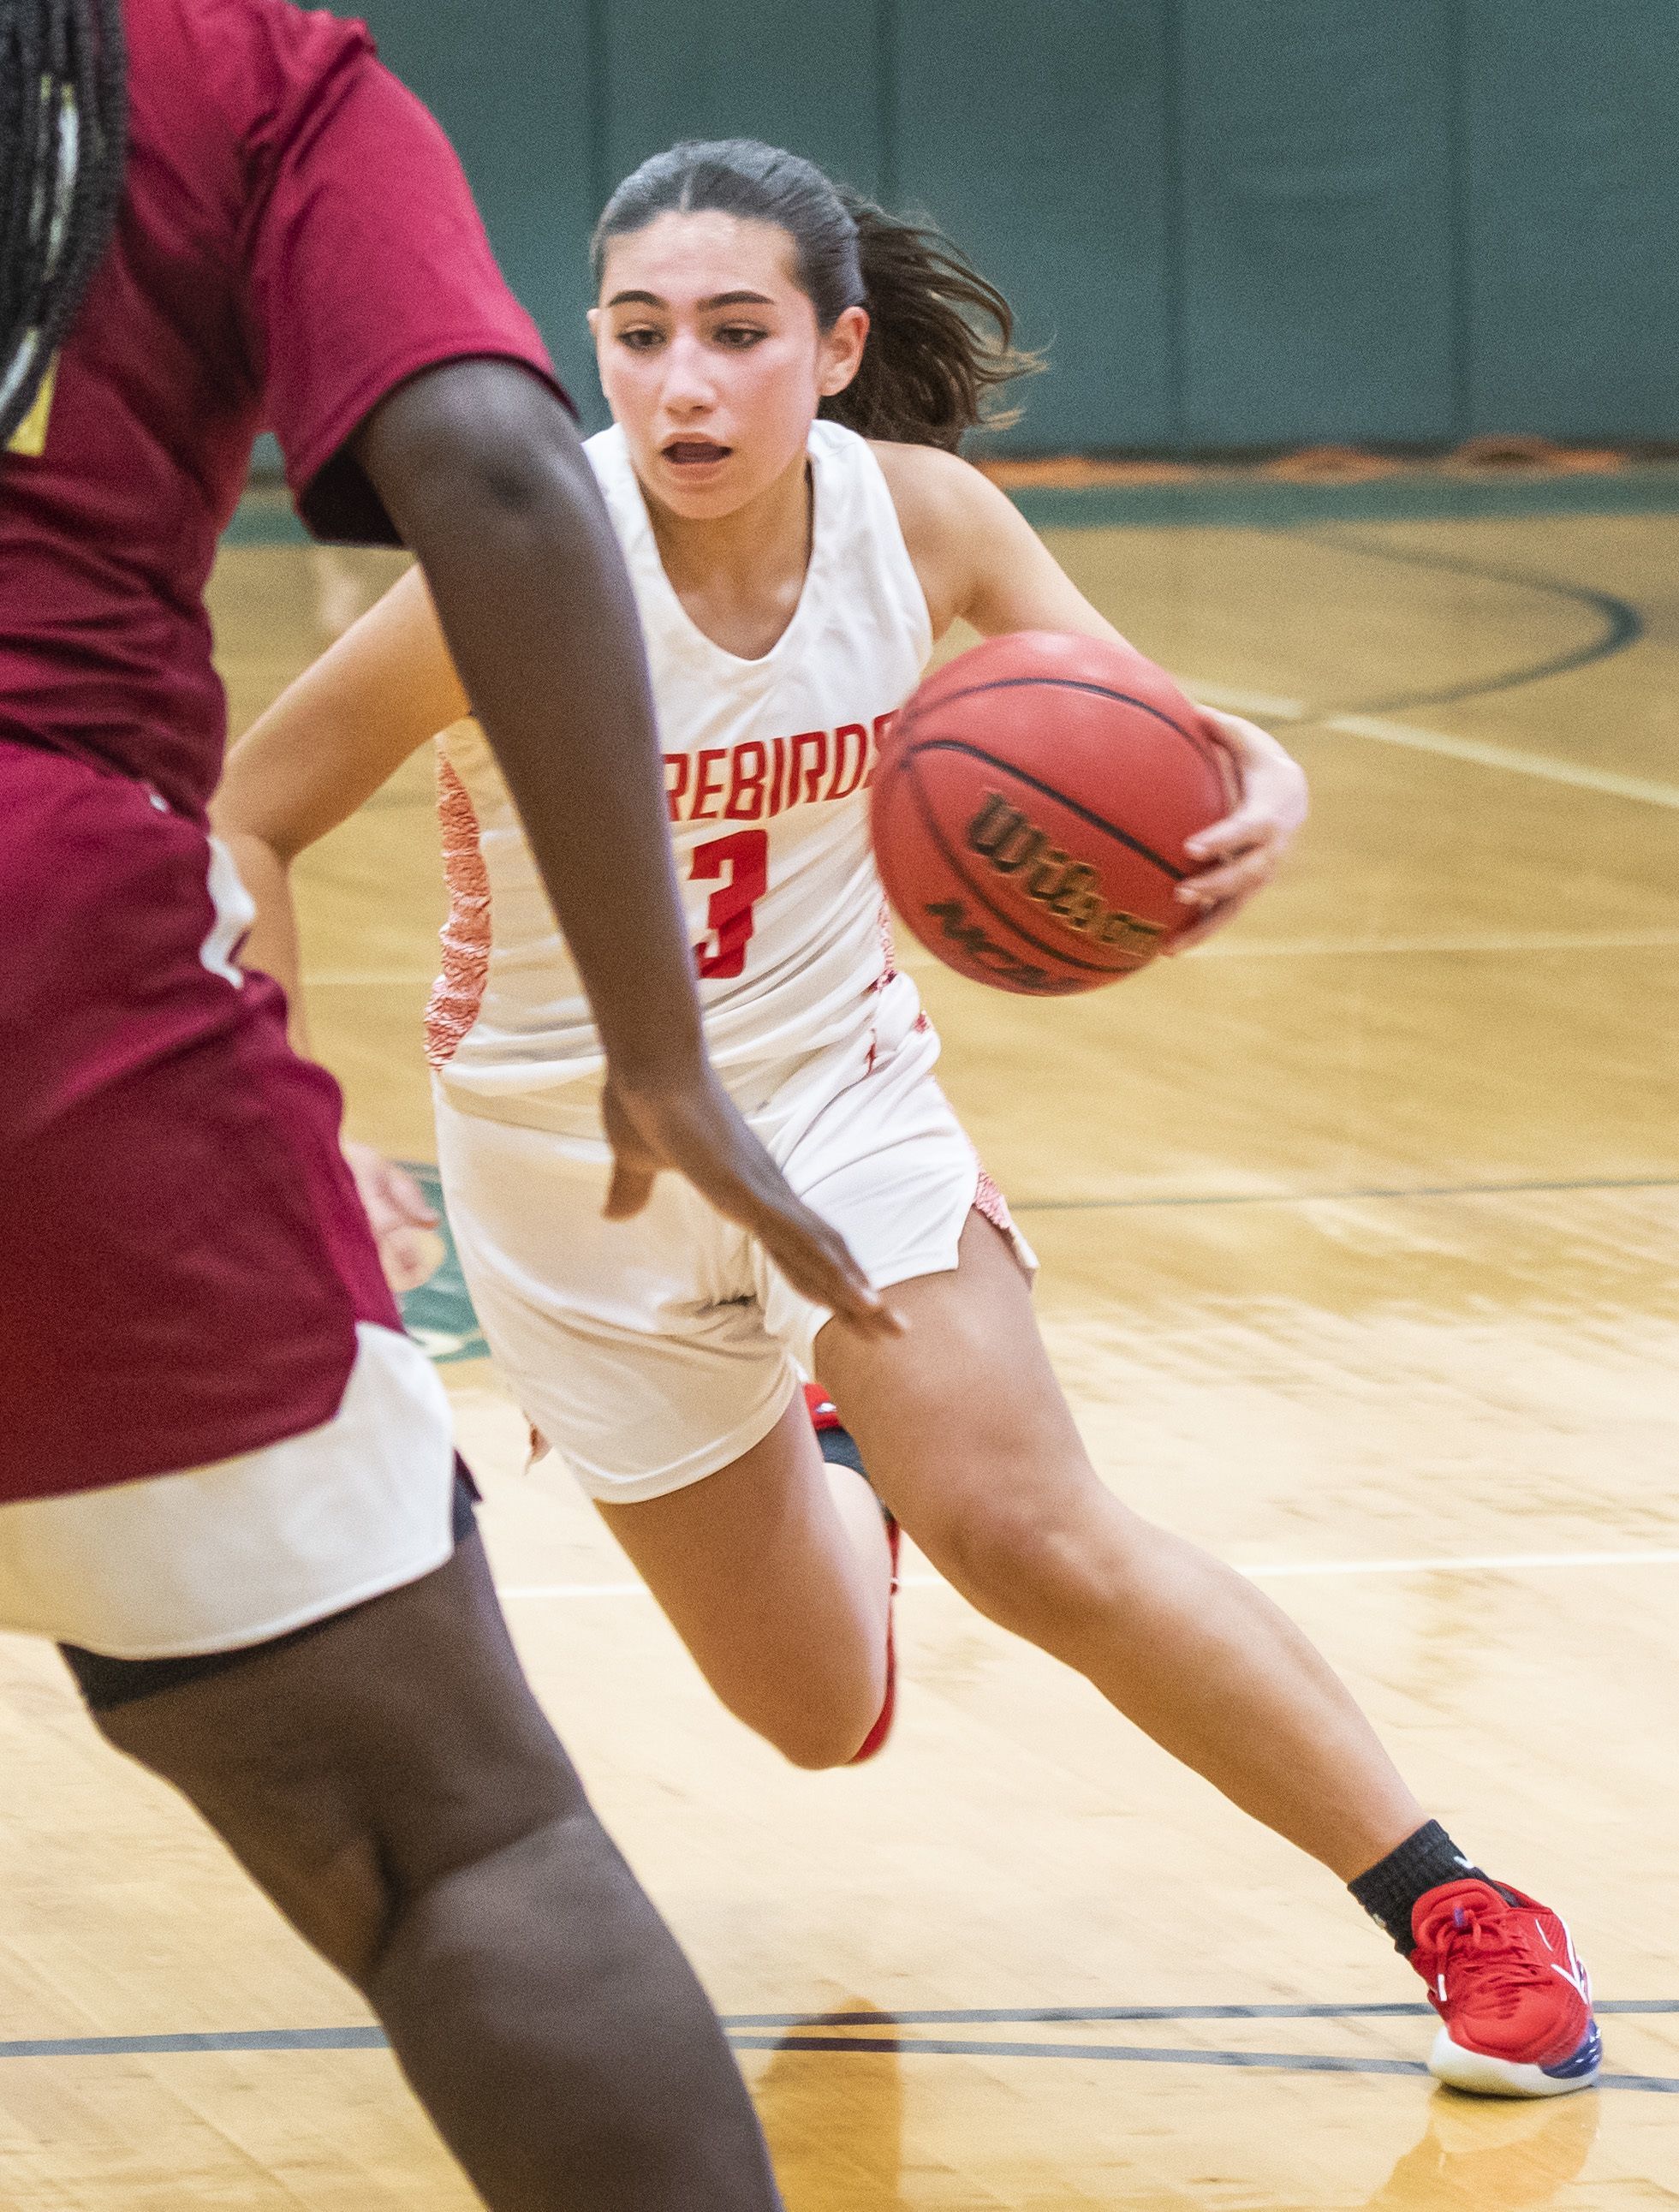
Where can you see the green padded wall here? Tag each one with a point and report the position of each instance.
(512, 82)
(1318, 230)
(1239, 223)
(1572, 311)
(804, 77)
(807, 77)
(1041, 138)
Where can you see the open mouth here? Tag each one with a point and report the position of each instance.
(694, 453)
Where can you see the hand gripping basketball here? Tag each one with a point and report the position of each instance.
(1033, 809)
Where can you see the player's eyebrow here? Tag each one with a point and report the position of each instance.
(717, 300)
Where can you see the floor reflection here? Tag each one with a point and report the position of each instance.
(836, 2123)
(1483, 2156)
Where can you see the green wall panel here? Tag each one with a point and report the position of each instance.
(1040, 138)
(512, 82)
(1571, 114)
(808, 78)
(1236, 223)
(1318, 181)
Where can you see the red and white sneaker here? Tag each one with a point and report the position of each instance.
(824, 1413)
(1504, 1977)
(838, 1445)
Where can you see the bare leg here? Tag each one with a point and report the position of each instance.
(775, 1573)
(966, 1437)
(391, 1784)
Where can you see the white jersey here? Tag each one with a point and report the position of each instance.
(767, 764)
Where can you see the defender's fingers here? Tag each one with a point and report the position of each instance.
(818, 1263)
(629, 1189)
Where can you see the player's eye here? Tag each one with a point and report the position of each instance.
(640, 338)
(737, 336)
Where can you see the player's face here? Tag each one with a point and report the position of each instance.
(711, 359)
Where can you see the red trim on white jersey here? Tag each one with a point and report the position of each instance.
(989, 1201)
(458, 991)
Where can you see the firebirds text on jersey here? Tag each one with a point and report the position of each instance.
(758, 778)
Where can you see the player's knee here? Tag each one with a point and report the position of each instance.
(449, 1917)
(825, 1728)
(1028, 1562)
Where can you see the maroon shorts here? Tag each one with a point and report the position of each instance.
(183, 1257)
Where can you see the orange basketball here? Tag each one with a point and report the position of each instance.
(1030, 810)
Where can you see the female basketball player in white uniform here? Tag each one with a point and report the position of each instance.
(792, 577)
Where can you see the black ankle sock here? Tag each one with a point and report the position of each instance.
(1390, 1887)
(839, 1447)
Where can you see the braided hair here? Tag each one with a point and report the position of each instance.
(63, 137)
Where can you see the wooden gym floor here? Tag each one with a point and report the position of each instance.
(1358, 1233)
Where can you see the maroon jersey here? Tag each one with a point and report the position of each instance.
(296, 239)
(183, 1261)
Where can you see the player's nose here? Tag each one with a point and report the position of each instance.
(690, 386)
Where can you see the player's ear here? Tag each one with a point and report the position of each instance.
(595, 325)
(842, 350)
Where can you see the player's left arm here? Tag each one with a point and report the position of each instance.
(980, 562)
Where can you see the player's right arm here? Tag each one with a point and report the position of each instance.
(326, 745)
(980, 562)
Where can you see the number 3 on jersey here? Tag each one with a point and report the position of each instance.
(743, 859)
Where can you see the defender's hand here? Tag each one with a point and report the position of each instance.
(695, 1128)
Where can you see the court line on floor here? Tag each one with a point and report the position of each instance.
(1239, 948)
(1281, 2062)
(1380, 729)
(1006, 2016)
(1338, 1197)
(743, 2037)
(1257, 1571)
(1337, 948)
(1623, 625)
(1235, 699)
(366, 2037)
(1580, 775)
(1483, 1563)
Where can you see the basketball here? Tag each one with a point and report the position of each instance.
(1031, 806)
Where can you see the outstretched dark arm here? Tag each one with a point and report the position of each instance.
(482, 472)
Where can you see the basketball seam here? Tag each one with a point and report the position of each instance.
(930, 824)
(1048, 791)
(1192, 739)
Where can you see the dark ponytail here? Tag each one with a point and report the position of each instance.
(62, 133)
(940, 338)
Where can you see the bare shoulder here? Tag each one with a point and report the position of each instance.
(930, 488)
(947, 511)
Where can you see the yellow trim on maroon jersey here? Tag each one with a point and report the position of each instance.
(29, 439)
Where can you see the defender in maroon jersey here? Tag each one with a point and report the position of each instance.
(227, 1479)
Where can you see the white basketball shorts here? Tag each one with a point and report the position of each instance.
(653, 1351)
(215, 1558)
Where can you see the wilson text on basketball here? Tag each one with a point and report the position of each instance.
(1068, 890)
